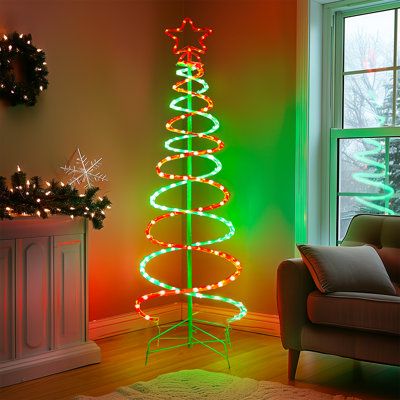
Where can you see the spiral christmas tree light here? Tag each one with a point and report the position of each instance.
(375, 178)
(191, 88)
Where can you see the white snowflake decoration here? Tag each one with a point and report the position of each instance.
(84, 172)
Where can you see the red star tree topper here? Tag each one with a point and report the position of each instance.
(188, 51)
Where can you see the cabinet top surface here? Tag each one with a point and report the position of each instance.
(31, 226)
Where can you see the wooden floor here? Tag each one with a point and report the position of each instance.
(252, 355)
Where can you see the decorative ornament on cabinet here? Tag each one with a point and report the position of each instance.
(83, 172)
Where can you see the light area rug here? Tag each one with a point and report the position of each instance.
(198, 384)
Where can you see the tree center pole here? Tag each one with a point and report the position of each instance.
(189, 169)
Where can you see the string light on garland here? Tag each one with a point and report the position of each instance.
(18, 53)
(32, 197)
(191, 71)
(83, 172)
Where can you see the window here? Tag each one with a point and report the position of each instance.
(365, 141)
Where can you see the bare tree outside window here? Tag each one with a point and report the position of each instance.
(368, 93)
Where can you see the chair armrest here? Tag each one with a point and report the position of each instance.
(294, 283)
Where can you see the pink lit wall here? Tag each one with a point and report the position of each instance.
(111, 72)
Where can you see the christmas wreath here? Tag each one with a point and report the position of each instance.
(17, 54)
(31, 197)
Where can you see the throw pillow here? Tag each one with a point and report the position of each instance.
(347, 269)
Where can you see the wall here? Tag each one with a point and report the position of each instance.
(250, 67)
(111, 71)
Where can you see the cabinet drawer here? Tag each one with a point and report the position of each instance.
(69, 290)
(7, 300)
(33, 297)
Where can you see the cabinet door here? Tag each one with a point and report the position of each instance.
(7, 303)
(69, 290)
(33, 283)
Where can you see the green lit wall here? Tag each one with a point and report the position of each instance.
(250, 67)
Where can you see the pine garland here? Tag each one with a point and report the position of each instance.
(31, 197)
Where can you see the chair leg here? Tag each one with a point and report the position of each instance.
(293, 360)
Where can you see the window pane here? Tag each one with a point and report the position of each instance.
(352, 165)
(348, 208)
(369, 41)
(370, 167)
(368, 100)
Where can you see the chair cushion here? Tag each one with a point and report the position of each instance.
(364, 311)
(347, 269)
(383, 233)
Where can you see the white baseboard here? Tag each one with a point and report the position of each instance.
(266, 324)
(50, 362)
(130, 322)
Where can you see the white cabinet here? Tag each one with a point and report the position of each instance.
(43, 298)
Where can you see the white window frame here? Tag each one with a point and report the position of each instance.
(316, 116)
(336, 132)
